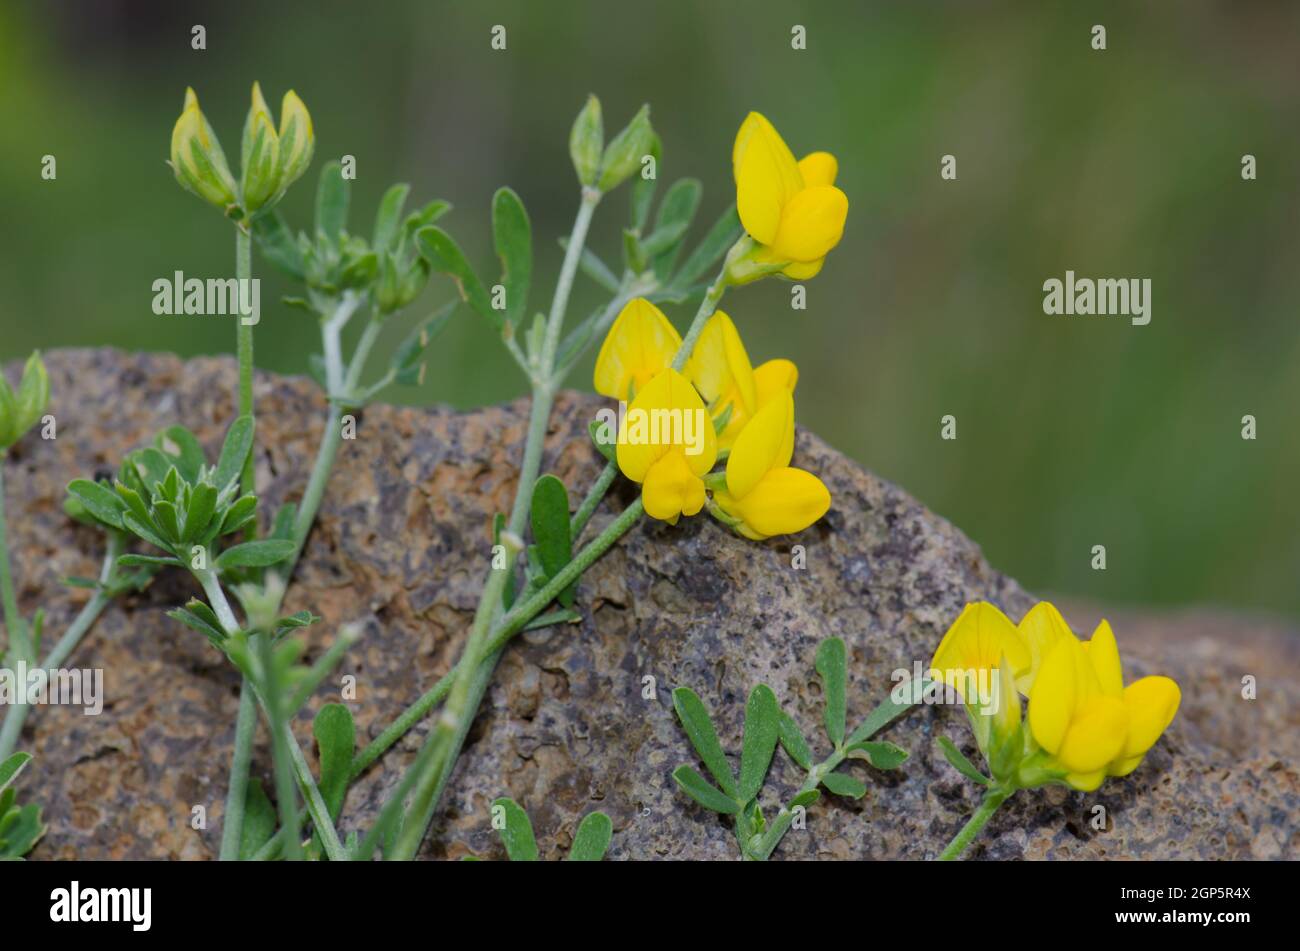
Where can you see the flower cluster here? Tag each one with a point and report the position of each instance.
(1083, 724)
(744, 415)
(270, 160)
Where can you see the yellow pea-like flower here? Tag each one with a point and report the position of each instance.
(720, 369)
(980, 657)
(259, 155)
(297, 139)
(763, 492)
(666, 442)
(1081, 713)
(640, 344)
(197, 159)
(792, 209)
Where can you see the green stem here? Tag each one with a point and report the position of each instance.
(992, 799)
(320, 816)
(244, 347)
(707, 306)
(594, 496)
(286, 796)
(14, 622)
(232, 825)
(17, 716)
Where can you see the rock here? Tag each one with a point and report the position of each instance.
(402, 545)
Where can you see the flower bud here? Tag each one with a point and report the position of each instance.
(624, 153)
(297, 140)
(197, 159)
(260, 155)
(586, 141)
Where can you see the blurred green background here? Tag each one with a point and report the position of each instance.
(1124, 163)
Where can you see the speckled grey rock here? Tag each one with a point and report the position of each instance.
(402, 545)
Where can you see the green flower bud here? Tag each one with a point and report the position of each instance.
(586, 140)
(624, 153)
(297, 140)
(197, 159)
(21, 411)
(260, 155)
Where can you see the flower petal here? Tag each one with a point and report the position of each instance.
(1152, 703)
(667, 414)
(766, 443)
(977, 641)
(671, 488)
(1095, 735)
(1041, 628)
(720, 369)
(784, 501)
(773, 378)
(767, 177)
(1103, 653)
(818, 168)
(640, 343)
(812, 222)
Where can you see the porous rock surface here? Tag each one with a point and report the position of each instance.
(570, 724)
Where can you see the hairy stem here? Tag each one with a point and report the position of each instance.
(15, 717)
(992, 800)
(14, 622)
(244, 348)
(232, 825)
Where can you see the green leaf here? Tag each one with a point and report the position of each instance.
(336, 739)
(725, 232)
(591, 265)
(235, 449)
(762, 726)
(842, 784)
(136, 561)
(259, 820)
(332, 195)
(592, 838)
(517, 836)
(165, 517)
(901, 698)
(203, 503)
(550, 519)
(209, 629)
(879, 753)
(277, 244)
(676, 213)
(258, 554)
(21, 831)
(11, 767)
(597, 429)
(703, 792)
(101, 501)
(806, 798)
(643, 190)
(144, 531)
(388, 220)
(183, 447)
(445, 257)
(239, 513)
(957, 759)
(831, 667)
(792, 741)
(512, 235)
(552, 618)
(699, 728)
(410, 351)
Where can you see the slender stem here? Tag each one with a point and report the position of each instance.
(452, 726)
(17, 716)
(320, 816)
(244, 348)
(594, 496)
(992, 799)
(14, 622)
(399, 727)
(321, 669)
(286, 796)
(232, 825)
(707, 306)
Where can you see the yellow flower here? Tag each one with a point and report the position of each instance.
(197, 159)
(640, 344)
(259, 155)
(720, 369)
(1081, 713)
(763, 491)
(980, 657)
(666, 442)
(792, 209)
(297, 139)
